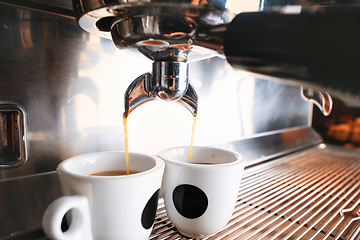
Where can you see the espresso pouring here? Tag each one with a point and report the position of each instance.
(126, 142)
(192, 138)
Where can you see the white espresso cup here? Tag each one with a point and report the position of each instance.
(105, 207)
(200, 193)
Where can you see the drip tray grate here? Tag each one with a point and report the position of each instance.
(313, 194)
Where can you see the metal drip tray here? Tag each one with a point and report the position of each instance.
(312, 194)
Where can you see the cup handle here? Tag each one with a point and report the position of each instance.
(80, 227)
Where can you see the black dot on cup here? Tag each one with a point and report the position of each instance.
(190, 201)
(149, 212)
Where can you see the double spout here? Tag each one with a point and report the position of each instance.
(168, 81)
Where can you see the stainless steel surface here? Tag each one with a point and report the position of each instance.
(168, 81)
(57, 7)
(274, 144)
(312, 194)
(23, 202)
(13, 140)
(255, 113)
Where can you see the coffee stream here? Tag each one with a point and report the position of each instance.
(192, 138)
(127, 143)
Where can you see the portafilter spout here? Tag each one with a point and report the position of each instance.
(167, 81)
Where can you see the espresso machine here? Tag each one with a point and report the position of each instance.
(250, 72)
(172, 34)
